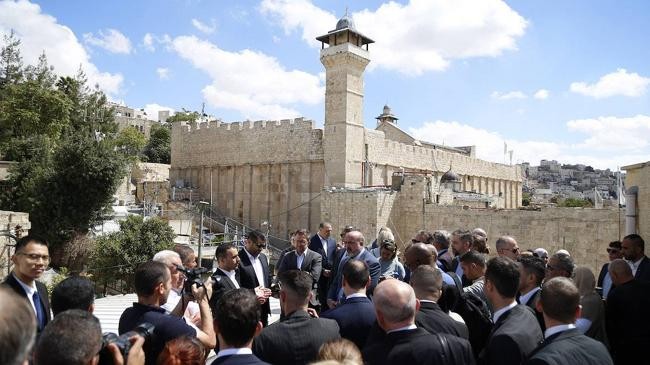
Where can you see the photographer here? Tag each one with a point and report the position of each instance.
(152, 285)
(74, 337)
(174, 305)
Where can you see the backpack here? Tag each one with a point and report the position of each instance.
(477, 317)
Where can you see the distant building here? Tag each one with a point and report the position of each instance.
(637, 185)
(137, 118)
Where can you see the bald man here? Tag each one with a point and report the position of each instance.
(395, 307)
(507, 246)
(418, 254)
(627, 314)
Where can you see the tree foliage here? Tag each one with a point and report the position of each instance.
(184, 116)
(130, 142)
(115, 256)
(575, 203)
(158, 149)
(66, 176)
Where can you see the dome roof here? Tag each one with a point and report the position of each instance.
(449, 176)
(345, 22)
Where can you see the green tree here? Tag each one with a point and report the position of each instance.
(574, 202)
(115, 256)
(526, 199)
(158, 149)
(11, 63)
(130, 142)
(184, 116)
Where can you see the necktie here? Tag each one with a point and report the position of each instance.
(40, 313)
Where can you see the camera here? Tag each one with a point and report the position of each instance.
(123, 344)
(193, 276)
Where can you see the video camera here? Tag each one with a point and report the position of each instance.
(193, 276)
(123, 344)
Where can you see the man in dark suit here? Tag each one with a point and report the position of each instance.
(627, 316)
(604, 280)
(297, 338)
(531, 274)
(237, 322)
(30, 260)
(323, 243)
(356, 314)
(254, 270)
(633, 248)
(354, 249)
(226, 276)
(564, 344)
(427, 284)
(516, 332)
(405, 343)
(303, 259)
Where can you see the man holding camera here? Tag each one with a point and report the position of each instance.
(153, 282)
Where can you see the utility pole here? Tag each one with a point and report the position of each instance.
(202, 206)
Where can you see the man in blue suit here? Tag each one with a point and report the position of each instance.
(354, 249)
(323, 244)
(237, 322)
(356, 314)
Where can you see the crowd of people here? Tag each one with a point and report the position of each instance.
(444, 300)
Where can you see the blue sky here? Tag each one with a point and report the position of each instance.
(565, 80)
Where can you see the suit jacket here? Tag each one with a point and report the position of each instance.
(454, 265)
(514, 336)
(373, 266)
(312, 263)
(434, 320)
(296, 339)
(11, 282)
(417, 346)
(355, 317)
(249, 279)
(627, 321)
(643, 271)
(316, 245)
(239, 360)
(603, 271)
(221, 284)
(569, 348)
(532, 304)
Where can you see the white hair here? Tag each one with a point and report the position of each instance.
(166, 257)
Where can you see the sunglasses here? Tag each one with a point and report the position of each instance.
(613, 250)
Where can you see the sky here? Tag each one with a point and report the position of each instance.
(552, 79)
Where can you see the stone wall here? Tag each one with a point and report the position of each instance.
(216, 143)
(585, 232)
(639, 175)
(8, 224)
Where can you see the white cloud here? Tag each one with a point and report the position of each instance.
(608, 142)
(153, 109)
(541, 94)
(163, 73)
(614, 133)
(147, 41)
(205, 28)
(619, 82)
(111, 40)
(41, 32)
(509, 95)
(423, 35)
(250, 82)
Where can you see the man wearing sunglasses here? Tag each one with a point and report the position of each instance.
(30, 262)
(254, 270)
(507, 246)
(604, 280)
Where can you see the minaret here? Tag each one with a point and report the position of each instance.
(387, 116)
(343, 137)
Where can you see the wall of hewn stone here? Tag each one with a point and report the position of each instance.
(216, 143)
(640, 177)
(8, 223)
(584, 232)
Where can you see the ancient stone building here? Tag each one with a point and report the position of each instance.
(276, 171)
(637, 184)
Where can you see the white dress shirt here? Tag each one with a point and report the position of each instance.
(324, 243)
(231, 276)
(500, 312)
(523, 299)
(29, 290)
(240, 351)
(557, 329)
(635, 265)
(257, 266)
